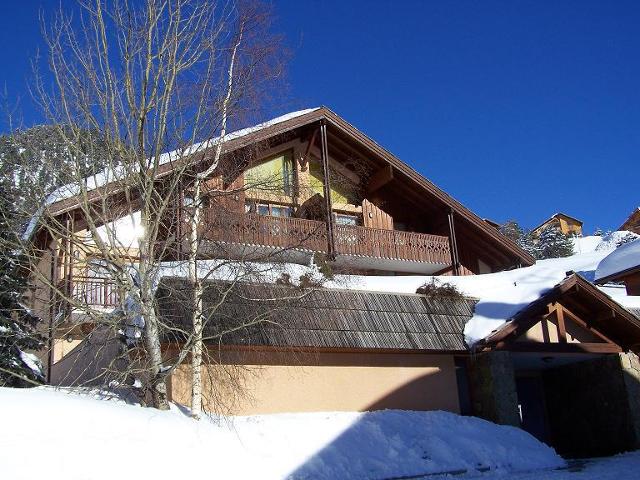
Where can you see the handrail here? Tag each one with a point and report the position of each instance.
(299, 233)
(95, 291)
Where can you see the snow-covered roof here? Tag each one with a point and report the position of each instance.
(622, 259)
(503, 294)
(112, 174)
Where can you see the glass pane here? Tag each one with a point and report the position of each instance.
(274, 175)
(263, 209)
(346, 219)
(280, 211)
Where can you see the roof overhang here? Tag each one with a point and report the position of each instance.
(603, 314)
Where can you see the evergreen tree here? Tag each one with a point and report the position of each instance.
(17, 324)
(36, 161)
(552, 243)
(523, 238)
(511, 229)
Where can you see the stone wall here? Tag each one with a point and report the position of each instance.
(594, 406)
(493, 388)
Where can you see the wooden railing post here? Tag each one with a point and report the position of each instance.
(331, 241)
(453, 245)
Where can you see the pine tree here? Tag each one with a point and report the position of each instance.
(552, 243)
(28, 178)
(17, 324)
(523, 238)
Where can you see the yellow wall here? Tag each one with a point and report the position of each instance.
(296, 382)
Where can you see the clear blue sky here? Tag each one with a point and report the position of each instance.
(518, 109)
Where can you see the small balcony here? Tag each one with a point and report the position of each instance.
(427, 252)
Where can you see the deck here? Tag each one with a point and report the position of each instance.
(311, 235)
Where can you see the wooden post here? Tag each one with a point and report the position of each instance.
(455, 260)
(331, 244)
(53, 302)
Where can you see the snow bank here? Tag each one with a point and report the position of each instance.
(622, 258)
(81, 437)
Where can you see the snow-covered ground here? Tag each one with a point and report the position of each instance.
(620, 467)
(58, 435)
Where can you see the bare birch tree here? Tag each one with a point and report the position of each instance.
(138, 80)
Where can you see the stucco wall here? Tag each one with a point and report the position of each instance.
(272, 382)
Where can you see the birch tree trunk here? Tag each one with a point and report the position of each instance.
(196, 352)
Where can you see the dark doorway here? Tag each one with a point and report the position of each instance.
(532, 406)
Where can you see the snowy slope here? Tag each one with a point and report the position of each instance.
(622, 258)
(79, 437)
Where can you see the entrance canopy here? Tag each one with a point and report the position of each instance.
(573, 317)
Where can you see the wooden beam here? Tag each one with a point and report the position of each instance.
(380, 179)
(586, 326)
(304, 161)
(537, 347)
(453, 245)
(331, 245)
(562, 331)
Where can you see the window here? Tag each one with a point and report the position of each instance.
(342, 190)
(274, 175)
(272, 209)
(280, 211)
(344, 219)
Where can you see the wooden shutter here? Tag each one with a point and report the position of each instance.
(375, 217)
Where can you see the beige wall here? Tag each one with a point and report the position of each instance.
(296, 382)
(547, 331)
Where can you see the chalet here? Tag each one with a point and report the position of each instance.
(568, 225)
(622, 265)
(632, 223)
(309, 187)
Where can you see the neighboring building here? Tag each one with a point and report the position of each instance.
(568, 225)
(622, 265)
(340, 194)
(632, 223)
(563, 368)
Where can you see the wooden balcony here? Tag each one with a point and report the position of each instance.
(311, 235)
(95, 291)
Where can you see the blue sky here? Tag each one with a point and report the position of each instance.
(518, 109)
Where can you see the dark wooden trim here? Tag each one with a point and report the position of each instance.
(453, 245)
(263, 348)
(539, 347)
(331, 241)
(380, 179)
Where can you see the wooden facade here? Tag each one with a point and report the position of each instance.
(573, 317)
(568, 225)
(632, 223)
(336, 192)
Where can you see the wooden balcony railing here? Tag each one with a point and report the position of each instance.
(298, 233)
(392, 244)
(95, 291)
(252, 229)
